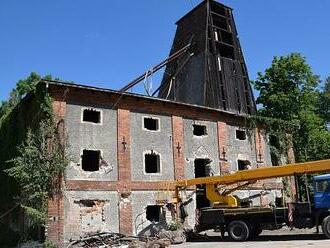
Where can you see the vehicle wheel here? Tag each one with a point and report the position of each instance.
(326, 227)
(238, 230)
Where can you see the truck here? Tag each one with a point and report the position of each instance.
(230, 214)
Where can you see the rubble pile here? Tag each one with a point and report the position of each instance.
(117, 240)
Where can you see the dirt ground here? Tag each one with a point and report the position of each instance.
(283, 238)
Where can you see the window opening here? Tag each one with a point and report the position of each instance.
(199, 130)
(322, 186)
(87, 203)
(151, 124)
(152, 162)
(153, 213)
(241, 134)
(220, 22)
(218, 9)
(227, 37)
(226, 51)
(243, 165)
(90, 160)
(91, 115)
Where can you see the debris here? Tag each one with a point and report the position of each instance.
(117, 240)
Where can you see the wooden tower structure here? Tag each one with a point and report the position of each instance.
(213, 73)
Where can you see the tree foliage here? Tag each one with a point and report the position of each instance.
(324, 101)
(288, 91)
(23, 87)
(37, 168)
(33, 160)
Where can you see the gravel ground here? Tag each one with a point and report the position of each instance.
(283, 238)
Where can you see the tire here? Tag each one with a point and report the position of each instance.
(326, 226)
(238, 230)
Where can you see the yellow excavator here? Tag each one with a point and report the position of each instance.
(242, 222)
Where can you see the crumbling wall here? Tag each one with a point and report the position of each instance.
(240, 149)
(91, 136)
(258, 154)
(141, 199)
(89, 212)
(246, 149)
(159, 141)
(205, 146)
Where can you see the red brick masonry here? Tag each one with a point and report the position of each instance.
(222, 145)
(178, 149)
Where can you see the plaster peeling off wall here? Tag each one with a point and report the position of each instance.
(89, 212)
(92, 217)
(84, 135)
(143, 141)
(200, 147)
(141, 199)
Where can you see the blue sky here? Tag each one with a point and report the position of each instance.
(107, 43)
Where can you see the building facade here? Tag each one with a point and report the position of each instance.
(123, 148)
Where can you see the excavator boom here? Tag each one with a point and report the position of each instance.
(260, 174)
(227, 200)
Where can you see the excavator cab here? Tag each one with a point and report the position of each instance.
(322, 191)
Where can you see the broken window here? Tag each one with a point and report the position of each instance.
(220, 22)
(151, 124)
(152, 162)
(87, 203)
(91, 115)
(226, 37)
(243, 165)
(199, 130)
(153, 213)
(90, 160)
(240, 134)
(218, 9)
(226, 51)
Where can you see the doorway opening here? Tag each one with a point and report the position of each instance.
(202, 169)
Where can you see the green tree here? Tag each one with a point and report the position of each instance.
(324, 101)
(23, 87)
(37, 169)
(287, 88)
(288, 91)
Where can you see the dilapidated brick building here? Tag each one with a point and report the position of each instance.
(123, 147)
(120, 157)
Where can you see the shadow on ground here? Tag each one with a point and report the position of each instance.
(266, 237)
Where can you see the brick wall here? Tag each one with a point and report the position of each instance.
(125, 217)
(149, 105)
(291, 160)
(125, 185)
(123, 147)
(178, 147)
(222, 145)
(124, 169)
(291, 156)
(260, 146)
(55, 222)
